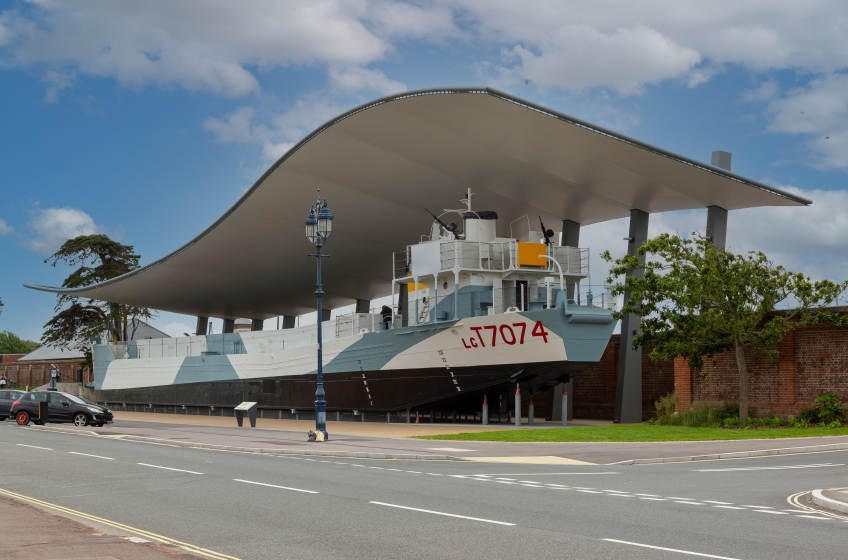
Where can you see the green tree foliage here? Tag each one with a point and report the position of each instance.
(10, 343)
(696, 301)
(96, 258)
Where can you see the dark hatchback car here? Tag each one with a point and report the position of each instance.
(61, 408)
(7, 398)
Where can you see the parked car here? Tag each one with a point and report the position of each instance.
(61, 408)
(6, 399)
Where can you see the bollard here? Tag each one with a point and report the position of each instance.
(417, 418)
(530, 411)
(565, 404)
(485, 411)
(517, 404)
(407, 415)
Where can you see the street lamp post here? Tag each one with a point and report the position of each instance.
(319, 225)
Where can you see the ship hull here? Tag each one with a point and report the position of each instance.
(383, 371)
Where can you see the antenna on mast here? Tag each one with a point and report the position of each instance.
(467, 201)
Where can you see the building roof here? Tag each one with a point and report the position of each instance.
(381, 164)
(44, 353)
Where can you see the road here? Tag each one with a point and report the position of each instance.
(245, 505)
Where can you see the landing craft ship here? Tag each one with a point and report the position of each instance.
(471, 312)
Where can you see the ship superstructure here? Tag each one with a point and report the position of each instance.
(471, 310)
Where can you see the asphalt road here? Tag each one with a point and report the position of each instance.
(258, 506)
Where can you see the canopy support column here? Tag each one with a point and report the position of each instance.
(628, 389)
(202, 326)
(229, 326)
(257, 324)
(288, 322)
(570, 238)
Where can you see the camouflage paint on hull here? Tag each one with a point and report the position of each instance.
(386, 370)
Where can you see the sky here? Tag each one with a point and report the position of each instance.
(148, 120)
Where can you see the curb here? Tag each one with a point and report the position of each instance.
(820, 500)
(262, 450)
(739, 454)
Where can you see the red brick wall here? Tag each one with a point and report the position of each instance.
(812, 361)
(9, 358)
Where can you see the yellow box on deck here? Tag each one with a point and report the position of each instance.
(528, 255)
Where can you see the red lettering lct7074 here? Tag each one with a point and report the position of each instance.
(492, 335)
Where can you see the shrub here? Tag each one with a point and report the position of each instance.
(826, 410)
(667, 409)
(835, 424)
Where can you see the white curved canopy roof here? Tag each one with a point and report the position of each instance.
(380, 164)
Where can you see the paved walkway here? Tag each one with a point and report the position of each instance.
(29, 533)
(389, 439)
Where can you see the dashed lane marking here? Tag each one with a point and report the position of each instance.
(443, 513)
(140, 532)
(689, 552)
(168, 468)
(780, 468)
(89, 455)
(275, 486)
(33, 446)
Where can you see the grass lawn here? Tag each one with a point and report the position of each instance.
(639, 432)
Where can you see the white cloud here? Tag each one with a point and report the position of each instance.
(283, 130)
(50, 227)
(820, 112)
(783, 233)
(176, 329)
(356, 78)
(199, 45)
(55, 82)
(579, 56)
(5, 229)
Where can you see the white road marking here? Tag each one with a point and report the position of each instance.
(690, 503)
(758, 507)
(533, 485)
(88, 455)
(769, 511)
(590, 491)
(380, 468)
(795, 510)
(815, 517)
(414, 472)
(443, 513)
(448, 449)
(648, 495)
(396, 470)
(504, 479)
(340, 463)
(622, 495)
(676, 498)
(671, 549)
(529, 481)
(544, 474)
(617, 491)
(817, 466)
(355, 465)
(654, 499)
(34, 446)
(275, 486)
(506, 482)
(722, 503)
(168, 468)
(583, 488)
(729, 507)
(434, 474)
(557, 485)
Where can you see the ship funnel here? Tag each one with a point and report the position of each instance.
(480, 226)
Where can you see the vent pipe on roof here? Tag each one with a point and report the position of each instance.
(722, 159)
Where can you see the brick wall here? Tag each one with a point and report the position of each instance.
(812, 361)
(9, 358)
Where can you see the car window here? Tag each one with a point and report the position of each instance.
(80, 400)
(38, 397)
(4, 395)
(58, 398)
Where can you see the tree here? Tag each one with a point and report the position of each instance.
(97, 259)
(695, 301)
(10, 343)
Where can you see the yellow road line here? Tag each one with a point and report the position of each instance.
(140, 532)
(794, 499)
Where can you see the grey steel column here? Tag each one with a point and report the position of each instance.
(716, 215)
(202, 325)
(288, 322)
(229, 325)
(257, 325)
(570, 238)
(628, 388)
(363, 306)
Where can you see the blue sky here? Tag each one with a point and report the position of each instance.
(148, 120)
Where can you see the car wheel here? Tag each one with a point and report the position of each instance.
(80, 419)
(22, 418)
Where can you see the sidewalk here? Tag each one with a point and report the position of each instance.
(383, 441)
(30, 533)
